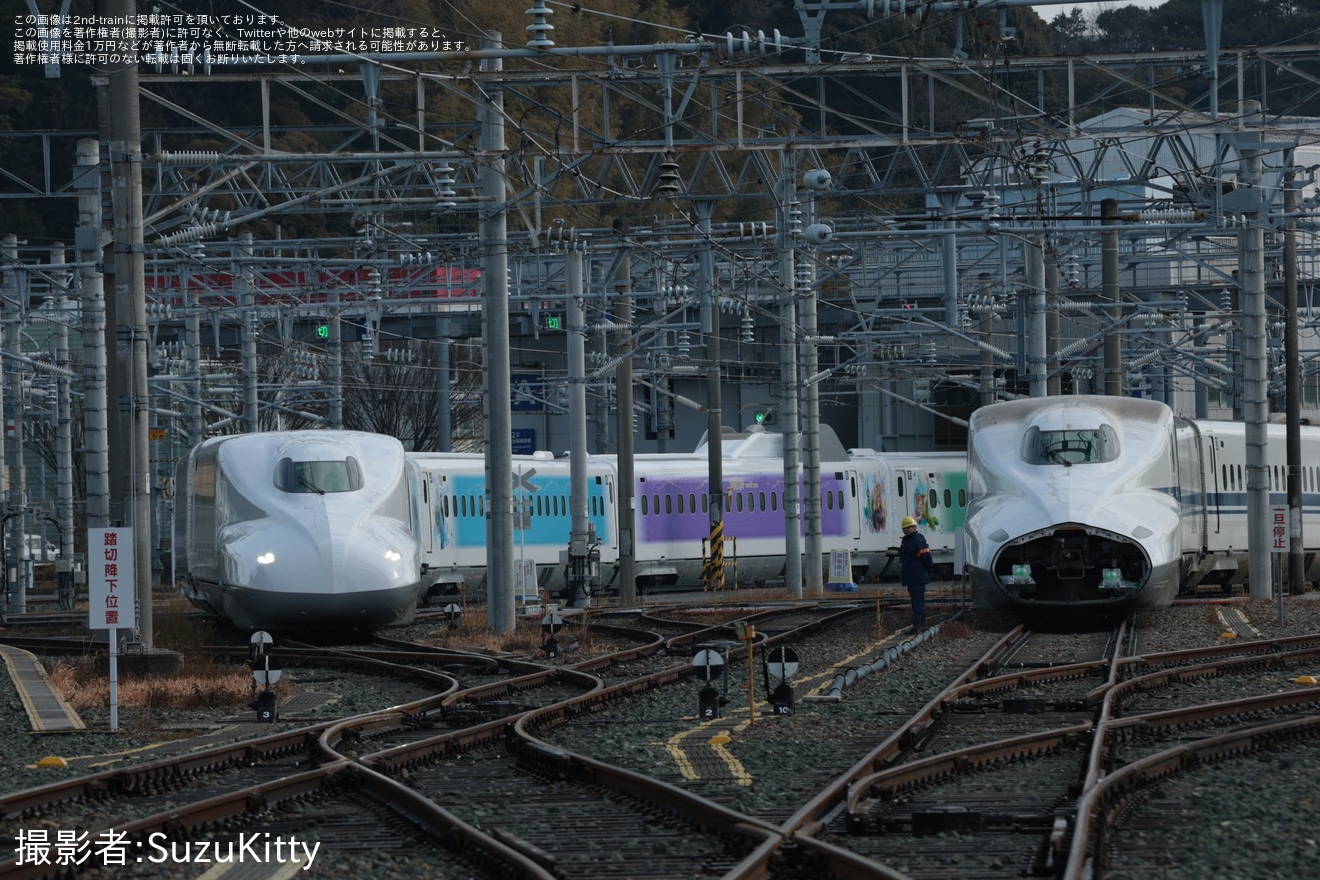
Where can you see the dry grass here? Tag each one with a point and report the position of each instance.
(204, 682)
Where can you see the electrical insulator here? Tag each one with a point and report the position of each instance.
(668, 182)
(539, 30)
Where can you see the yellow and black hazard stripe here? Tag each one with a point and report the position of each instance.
(712, 570)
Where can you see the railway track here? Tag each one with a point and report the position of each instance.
(599, 766)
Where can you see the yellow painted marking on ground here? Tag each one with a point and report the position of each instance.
(676, 749)
(740, 774)
(819, 682)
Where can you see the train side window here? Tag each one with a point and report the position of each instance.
(933, 499)
(760, 501)
(1223, 477)
(692, 502)
(705, 504)
(481, 505)
(839, 496)
(962, 497)
(655, 504)
(900, 487)
(739, 502)
(645, 511)
(829, 500)
(948, 498)
(462, 504)
(669, 504)
(680, 502)
(1239, 475)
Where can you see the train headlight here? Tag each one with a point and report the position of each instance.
(393, 555)
(266, 558)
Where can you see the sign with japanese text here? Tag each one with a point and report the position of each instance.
(110, 579)
(1280, 534)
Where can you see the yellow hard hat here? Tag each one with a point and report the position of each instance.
(908, 521)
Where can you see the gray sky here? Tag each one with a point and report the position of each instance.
(1052, 11)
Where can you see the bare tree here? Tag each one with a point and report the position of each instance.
(397, 392)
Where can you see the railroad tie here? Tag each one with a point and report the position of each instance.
(46, 708)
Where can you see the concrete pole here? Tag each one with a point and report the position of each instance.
(192, 341)
(623, 382)
(495, 342)
(1113, 343)
(1255, 385)
(1293, 390)
(949, 268)
(812, 541)
(248, 332)
(334, 363)
(131, 320)
(14, 413)
(444, 417)
(1034, 258)
(96, 460)
(14, 602)
(1054, 379)
(713, 576)
(789, 223)
(63, 435)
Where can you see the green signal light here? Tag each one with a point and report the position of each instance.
(322, 331)
(554, 322)
(760, 417)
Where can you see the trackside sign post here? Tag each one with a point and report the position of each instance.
(110, 595)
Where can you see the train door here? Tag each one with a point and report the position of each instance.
(609, 537)
(852, 504)
(1216, 490)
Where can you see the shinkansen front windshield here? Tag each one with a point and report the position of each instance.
(320, 477)
(1070, 447)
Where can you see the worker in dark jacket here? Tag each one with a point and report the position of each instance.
(915, 565)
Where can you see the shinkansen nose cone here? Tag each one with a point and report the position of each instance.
(1074, 509)
(333, 575)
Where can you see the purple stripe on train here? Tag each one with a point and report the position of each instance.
(754, 519)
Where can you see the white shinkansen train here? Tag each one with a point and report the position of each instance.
(342, 530)
(1087, 505)
(300, 530)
